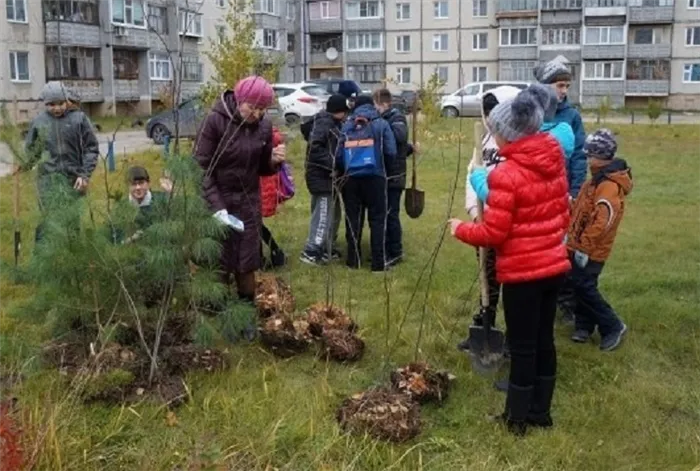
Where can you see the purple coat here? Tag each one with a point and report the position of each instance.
(233, 155)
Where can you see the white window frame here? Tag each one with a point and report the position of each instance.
(380, 10)
(532, 31)
(291, 12)
(476, 7)
(190, 24)
(271, 37)
(440, 68)
(437, 10)
(327, 14)
(522, 73)
(400, 78)
(401, 44)
(599, 70)
(475, 73)
(692, 33)
(560, 34)
(155, 58)
(364, 36)
(693, 4)
(130, 24)
(14, 11)
(477, 43)
(14, 67)
(268, 7)
(438, 43)
(399, 11)
(688, 72)
(221, 3)
(608, 29)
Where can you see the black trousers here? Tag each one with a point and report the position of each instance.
(493, 284)
(394, 246)
(360, 194)
(530, 308)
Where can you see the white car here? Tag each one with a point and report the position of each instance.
(467, 100)
(300, 101)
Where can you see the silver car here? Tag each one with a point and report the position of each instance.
(467, 100)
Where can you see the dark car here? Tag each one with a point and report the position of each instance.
(411, 98)
(190, 114)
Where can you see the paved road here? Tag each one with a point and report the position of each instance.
(126, 142)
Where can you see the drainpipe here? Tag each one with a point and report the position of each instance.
(304, 39)
(343, 37)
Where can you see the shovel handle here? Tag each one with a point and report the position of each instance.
(483, 278)
(414, 123)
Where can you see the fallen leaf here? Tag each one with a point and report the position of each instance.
(171, 419)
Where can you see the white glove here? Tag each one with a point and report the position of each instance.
(581, 259)
(231, 221)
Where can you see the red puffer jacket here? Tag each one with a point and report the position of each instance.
(528, 212)
(269, 186)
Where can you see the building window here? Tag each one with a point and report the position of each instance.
(70, 10)
(369, 9)
(442, 73)
(159, 65)
(268, 38)
(518, 36)
(651, 3)
(692, 36)
(191, 68)
(19, 66)
(73, 63)
(440, 10)
(693, 4)
(517, 70)
(440, 42)
(403, 75)
(220, 32)
(647, 36)
(319, 44)
(365, 42)
(128, 12)
(291, 14)
(612, 70)
(480, 41)
(291, 42)
(605, 35)
(221, 3)
(403, 11)
(324, 10)
(403, 43)
(691, 73)
(158, 19)
(367, 73)
(125, 64)
(190, 23)
(479, 74)
(561, 4)
(561, 36)
(16, 10)
(648, 70)
(480, 8)
(266, 6)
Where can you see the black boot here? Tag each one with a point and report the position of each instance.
(539, 415)
(517, 407)
(250, 331)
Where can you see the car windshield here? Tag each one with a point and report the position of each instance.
(315, 90)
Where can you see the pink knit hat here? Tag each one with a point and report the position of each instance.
(254, 91)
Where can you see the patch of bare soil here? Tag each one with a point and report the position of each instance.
(341, 345)
(422, 383)
(283, 336)
(381, 413)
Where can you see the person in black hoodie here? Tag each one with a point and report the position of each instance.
(396, 174)
(322, 135)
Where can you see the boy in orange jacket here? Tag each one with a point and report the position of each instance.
(596, 216)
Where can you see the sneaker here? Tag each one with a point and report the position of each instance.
(310, 259)
(278, 259)
(581, 336)
(393, 261)
(568, 318)
(335, 255)
(611, 341)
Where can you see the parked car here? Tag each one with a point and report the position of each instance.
(411, 98)
(300, 101)
(332, 85)
(467, 100)
(190, 115)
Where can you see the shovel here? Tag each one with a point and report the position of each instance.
(414, 202)
(485, 341)
(15, 208)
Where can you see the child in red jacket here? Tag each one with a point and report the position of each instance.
(526, 220)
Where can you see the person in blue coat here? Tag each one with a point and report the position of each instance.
(364, 177)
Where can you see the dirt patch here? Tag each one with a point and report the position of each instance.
(422, 383)
(341, 345)
(322, 317)
(381, 413)
(65, 356)
(273, 296)
(179, 359)
(283, 336)
(176, 331)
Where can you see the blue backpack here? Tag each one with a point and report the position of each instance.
(360, 156)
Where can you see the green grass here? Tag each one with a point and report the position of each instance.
(635, 409)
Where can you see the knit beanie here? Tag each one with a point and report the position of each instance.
(348, 88)
(547, 99)
(552, 72)
(601, 144)
(254, 91)
(517, 118)
(363, 100)
(55, 92)
(337, 104)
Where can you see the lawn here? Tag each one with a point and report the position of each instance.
(634, 409)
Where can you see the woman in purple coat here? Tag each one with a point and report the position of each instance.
(234, 148)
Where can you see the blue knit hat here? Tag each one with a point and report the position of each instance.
(601, 144)
(517, 118)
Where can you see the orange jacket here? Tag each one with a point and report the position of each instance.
(599, 208)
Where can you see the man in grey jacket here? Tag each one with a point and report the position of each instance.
(62, 141)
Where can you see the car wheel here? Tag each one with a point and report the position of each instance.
(292, 119)
(158, 133)
(450, 112)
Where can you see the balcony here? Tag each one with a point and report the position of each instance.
(516, 9)
(190, 89)
(610, 88)
(125, 37)
(365, 24)
(605, 8)
(649, 51)
(126, 90)
(603, 51)
(319, 59)
(363, 57)
(549, 5)
(72, 34)
(267, 21)
(647, 87)
(651, 12)
(517, 52)
(325, 25)
(88, 91)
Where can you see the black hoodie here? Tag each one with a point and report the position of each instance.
(323, 142)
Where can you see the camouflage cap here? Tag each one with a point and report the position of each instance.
(601, 144)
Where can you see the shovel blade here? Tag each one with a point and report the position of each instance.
(486, 348)
(414, 202)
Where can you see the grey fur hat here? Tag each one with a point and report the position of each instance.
(54, 92)
(601, 144)
(517, 118)
(552, 72)
(547, 99)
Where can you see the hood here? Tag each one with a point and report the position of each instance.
(502, 93)
(390, 113)
(539, 153)
(366, 111)
(615, 170)
(226, 106)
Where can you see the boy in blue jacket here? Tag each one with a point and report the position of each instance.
(366, 149)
